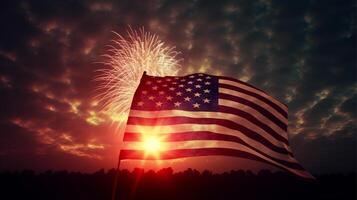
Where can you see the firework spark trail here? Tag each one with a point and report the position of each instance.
(125, 63)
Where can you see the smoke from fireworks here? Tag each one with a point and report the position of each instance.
(128, 58)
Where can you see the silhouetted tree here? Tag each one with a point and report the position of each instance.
(165, 184)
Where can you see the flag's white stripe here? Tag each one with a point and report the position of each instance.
(214, 115)
(169, 129)
(256, 101)
(251, 89)
(212, 144)
(255, 113)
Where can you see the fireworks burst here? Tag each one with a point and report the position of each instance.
(125, 63)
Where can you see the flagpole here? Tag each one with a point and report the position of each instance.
(114, 191)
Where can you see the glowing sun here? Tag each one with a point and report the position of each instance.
(152, 146)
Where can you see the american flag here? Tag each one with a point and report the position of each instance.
(202, 115)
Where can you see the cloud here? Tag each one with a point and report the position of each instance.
(335, 153)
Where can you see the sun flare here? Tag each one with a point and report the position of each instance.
(152, 146)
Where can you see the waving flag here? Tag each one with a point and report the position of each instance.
(202, 115)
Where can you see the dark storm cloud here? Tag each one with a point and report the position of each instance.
(22, 138)
(326, 154)
(302, 52)
(350, 106)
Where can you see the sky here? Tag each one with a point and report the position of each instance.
(302, 52)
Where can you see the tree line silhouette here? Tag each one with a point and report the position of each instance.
(165, 184)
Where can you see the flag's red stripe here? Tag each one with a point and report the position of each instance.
(241, 82)
(198, 135)
(206, 135)
(188, 120)
(127, 154)
(249, 85)
(260, 109)
(251, 118)
(267, 101)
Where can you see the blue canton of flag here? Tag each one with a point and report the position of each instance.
(196, 92)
